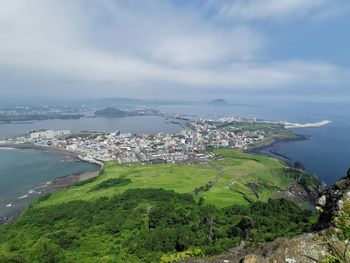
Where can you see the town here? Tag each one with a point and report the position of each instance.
(18, 114)
(190, 145)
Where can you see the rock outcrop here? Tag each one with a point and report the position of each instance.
(300, 249)
(331, 201)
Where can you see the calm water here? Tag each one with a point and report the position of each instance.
(20, 170)
(138, 124)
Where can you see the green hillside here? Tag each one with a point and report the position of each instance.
(230, 178)
(165, 212)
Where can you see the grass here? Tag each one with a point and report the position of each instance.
(182, 178)
(241, 169)
(233, 169)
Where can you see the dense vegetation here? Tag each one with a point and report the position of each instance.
(143, 225)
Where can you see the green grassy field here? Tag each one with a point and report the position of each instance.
(182, 178)
(233, 170)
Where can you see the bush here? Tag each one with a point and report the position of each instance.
(342, 221)
(111, 183)
(46, 251)
(44, 197)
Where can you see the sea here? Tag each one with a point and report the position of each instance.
(22, 171)
(325, 152)
(135, 124)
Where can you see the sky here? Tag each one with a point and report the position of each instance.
(175, 49)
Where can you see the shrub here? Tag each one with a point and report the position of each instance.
(113, 182)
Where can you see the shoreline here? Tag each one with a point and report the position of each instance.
(274, 154)
(282, 157)
(73, 154)
(265, 145)
(22, 200)
(28, 146)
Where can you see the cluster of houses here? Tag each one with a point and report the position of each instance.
(187, 146)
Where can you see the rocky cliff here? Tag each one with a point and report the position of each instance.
(331, 202)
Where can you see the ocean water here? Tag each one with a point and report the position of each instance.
(325, 153)
(21, 170)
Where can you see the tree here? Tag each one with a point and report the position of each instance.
(245, 225)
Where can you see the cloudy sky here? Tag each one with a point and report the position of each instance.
(176, 49)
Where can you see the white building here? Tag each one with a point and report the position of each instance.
(48, 134)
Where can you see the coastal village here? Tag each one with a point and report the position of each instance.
(187, 146)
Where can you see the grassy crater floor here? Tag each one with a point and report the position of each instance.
(230, 178)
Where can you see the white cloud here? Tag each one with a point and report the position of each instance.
(111, 42)
(53, 37)
(275, 9)
(209, 47)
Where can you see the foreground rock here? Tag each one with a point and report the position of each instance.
(331, 202)
(300, 249)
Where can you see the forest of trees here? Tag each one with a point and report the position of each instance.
(143, 225)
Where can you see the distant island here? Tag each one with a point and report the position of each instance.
(111, 112)
(218, 102)
(114, 112)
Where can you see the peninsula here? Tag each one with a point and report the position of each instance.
(289, 125)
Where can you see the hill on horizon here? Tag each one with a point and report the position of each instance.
(219, 102)
(111, 112)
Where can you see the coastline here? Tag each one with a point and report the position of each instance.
(274, 154)
(72, 154)
(257, 148)
(39, 148)
(43, 189)
(282, 157)
(22, 200)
